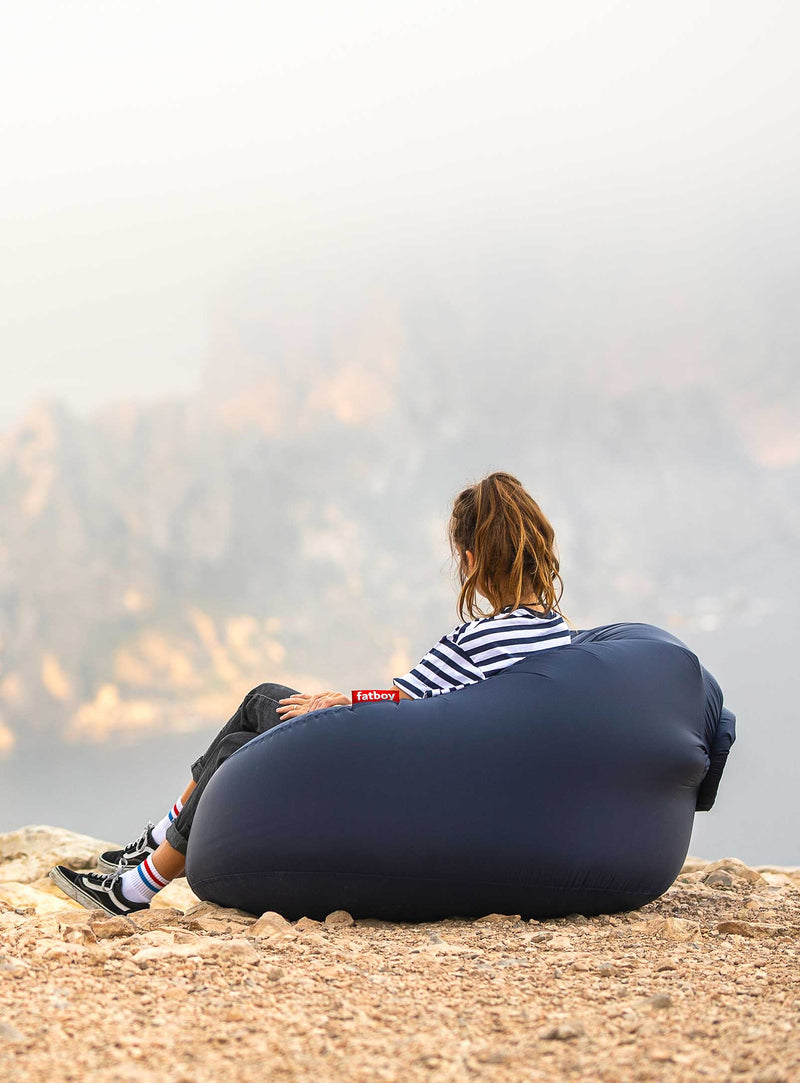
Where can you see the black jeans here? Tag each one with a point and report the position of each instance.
(256, 714)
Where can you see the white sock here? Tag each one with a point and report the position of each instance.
(141, 884)
(160, 830)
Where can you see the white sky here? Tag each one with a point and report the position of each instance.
(152, 151)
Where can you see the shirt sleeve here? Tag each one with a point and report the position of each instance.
(445, 667)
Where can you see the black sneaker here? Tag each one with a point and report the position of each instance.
(95, 891)
(131, 855)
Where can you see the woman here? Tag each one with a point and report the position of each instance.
(505, 549)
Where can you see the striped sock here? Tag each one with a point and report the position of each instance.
(160, 830)
(141, 884)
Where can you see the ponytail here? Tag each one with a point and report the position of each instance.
(512, 542)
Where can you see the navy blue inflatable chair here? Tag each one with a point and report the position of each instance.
(565, 784)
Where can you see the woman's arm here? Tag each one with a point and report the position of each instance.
(305, 702)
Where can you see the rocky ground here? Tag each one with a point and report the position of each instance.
(702, 984)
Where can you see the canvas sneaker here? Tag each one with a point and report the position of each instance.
(131, 855)
(94, 890)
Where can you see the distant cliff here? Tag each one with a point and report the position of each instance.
(157, 561)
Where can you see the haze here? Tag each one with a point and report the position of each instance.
(597, 199)
(151, 152)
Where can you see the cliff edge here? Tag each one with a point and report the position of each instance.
(702, 984)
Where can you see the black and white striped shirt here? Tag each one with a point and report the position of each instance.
(480, 648)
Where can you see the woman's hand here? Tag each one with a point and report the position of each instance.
(305, 702)
(328, 699)
(293, 705)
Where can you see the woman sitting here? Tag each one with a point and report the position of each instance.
(506, 552)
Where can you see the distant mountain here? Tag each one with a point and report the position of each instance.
(157, 561)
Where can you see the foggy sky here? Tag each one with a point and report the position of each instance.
(193, 192)
(643, 156)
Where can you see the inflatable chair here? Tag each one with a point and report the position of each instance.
(565, 784)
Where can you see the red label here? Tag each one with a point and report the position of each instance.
(375, 695)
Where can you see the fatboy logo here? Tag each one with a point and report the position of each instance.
(372, 695)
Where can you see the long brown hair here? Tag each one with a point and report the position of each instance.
(512, 542)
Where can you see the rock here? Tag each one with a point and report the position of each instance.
(29, 853)
(107, 927)
(730, 872)
(153, 955)
(11, 966)
(339, 917)
(557, 942)
(444, 948)
(271, 917)
(156, 918)
(77, 934)
(780, 879)
(496, 919)
(756, 929)
(661, 1056)
(668, 928)
(177, 895)
(739, 928)
(58, 950)
(220, 913)
(275, 973)
(492, 1056)
(62, 918)
(47, 887)
(73, 926)
(227, 951)
(659, 1001)
(10, 919)
(181, 936)
(563, 1032)
(693, 864)
(630, 1022)
(720, 878)
(21, 896)
(215, 928)
(157, 938)
(9, 1033)
(172, 934)
(307, 925)
(271, 925)
(233, 1015)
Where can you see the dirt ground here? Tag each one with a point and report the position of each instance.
(703, 984)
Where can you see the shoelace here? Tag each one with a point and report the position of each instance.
(141, 843)
(102, 880)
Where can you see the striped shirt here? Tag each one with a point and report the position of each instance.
(480, 648)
